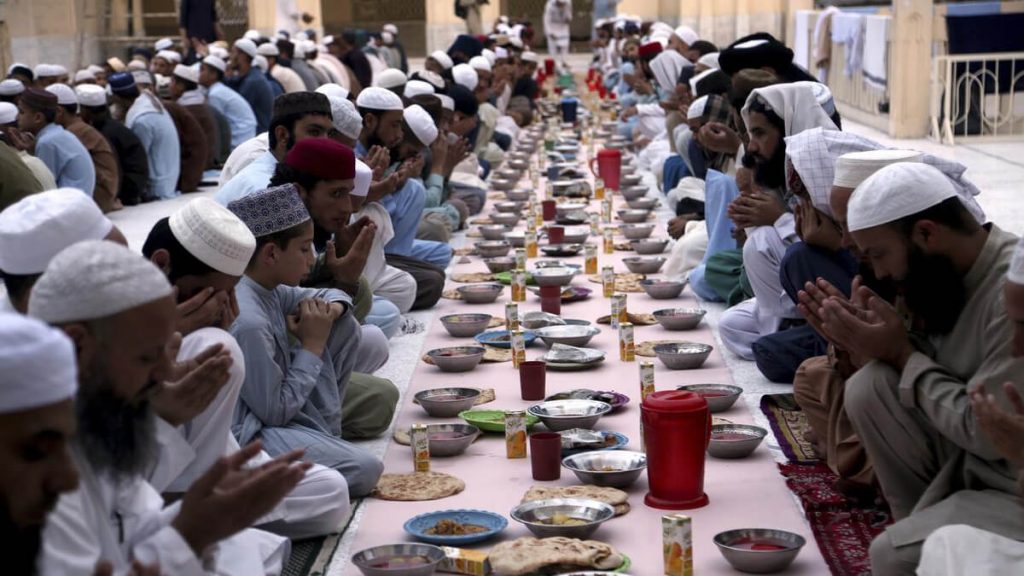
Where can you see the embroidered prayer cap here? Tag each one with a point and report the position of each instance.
(84, 75)
(169, 55)
(390, 78)
(897, 191)
(421, 124)
(332, 89)
(39, 99)
(11, 87)
(442, 58)
(465, 75)
(65, 94)
(38, 364)
(814, 155)
(376, 98)
(268, 49)
(301, 103)
(323, 158)
(1015, 273)
(480, 63)
(710, 60)
(529, 56)
(797, 105)
(417, 87)
(34, 229)
(95, 279)
(189, 73)
(345, 117)
(8, 113)
(214, 235)
(215, 62)
(122, 83)
(272, 210)
(91, 95)
(364, 176)
(163, 44)
(855, 167)
(696, 109)
(686, 34)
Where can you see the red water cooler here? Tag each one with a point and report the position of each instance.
(677, 429)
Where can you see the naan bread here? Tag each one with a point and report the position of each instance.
(473, 277)
(417, 486)
(611, 496)
(527, 555)
(624, 282)
(646, 349)
(635, 319)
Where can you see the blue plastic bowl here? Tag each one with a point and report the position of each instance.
(502, 338)
(417, 526)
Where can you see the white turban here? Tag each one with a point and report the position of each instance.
(895, 192)
(332, 89)
(418, 87)
(795, 103)
(38, 364)
(696, 109)
(91, 95)
(376, 98)
(480, 63)
(345, 117)
(814, 154)
(214, 235)
(464, 75)
(686, 34)
(36, 228)
(364, 176)
(8, 113)
(421, 124)
(390, 78)
(95, 279)
(442, 58)
(667, 67)
(710, 60)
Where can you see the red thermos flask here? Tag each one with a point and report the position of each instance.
(609, 167)
(677, 429)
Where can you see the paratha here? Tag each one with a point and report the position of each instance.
(611, 496)
(528, 555)
(417, 486)
(646, 349)
(635, 319)
(473, 277)
(624, 281)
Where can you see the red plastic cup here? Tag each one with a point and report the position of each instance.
(546, 455)
(549, 67)
(547, 208)
(550, 302)
(556, 234)
(532, 375)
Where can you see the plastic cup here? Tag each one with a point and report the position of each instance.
(546, 455)
(551, 301)
(556, 234)
(548, 211)
(532, 376)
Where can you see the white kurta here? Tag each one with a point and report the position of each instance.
(386, 281)
(959, 549)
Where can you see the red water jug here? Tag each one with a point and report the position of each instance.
(609, 167)
(677, 429)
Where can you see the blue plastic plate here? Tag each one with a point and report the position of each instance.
(502, 339)
(417, 526)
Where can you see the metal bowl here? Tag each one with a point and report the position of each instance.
(560, 415)
(662, 289)
(683, 356)
(508, 173)
(615, 468)
(374, 561)
(457, 358)
(493, 231)
(576, 234)
(535, 515)
(636, 231)
(518, 164)
(465, 325)
(502, 183)
(642, 203)
(735, 440)
(516, 238)
(679, 318)
(738, 548)
(506, 218)
(568, 335)
(649, 265)
(649, 246)
(633, 216)
(492, 248)
(447, 402)
(500, 264)
(720, 397)
(509, 207)
(630, 180)
(542, 264)
(569, 207)
(450, 439)
(633, 192)
(561, 249)
(518, 195)
(480, 293)
(554, 276)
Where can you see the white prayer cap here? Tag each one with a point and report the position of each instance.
(246, 45)
(710, 60)
(465, 76)
(306, 46)
(163, 44)
(91, 95)
(8, 113)
(11, 87)
(387, 37)
(65, 94)
(251, 34)
(95, 279)
(488, 55)
(331, 89)
(417, 87)
(142, 77)
(268, 49)
(442, 58)
(480, 63)
(447, 102)
(696, 109)
(376, 98)
(530, 57)
(500, 52)
(432, 78)
(1015, 274)
(260, 61)
(390, 78)
(421, 124)
(46, 71)
(190, 73)
(895, 192)
(214, 235)
(390, 28)
(694, 80)
(856, 167)
(94, 68)
(298, 53)
(345, 117)
(215, 62)
(300, 37)
(516, 42)
(660, 39)
(84, 76)
(220, 52)
(169, 55)
(686, 34)
(38, 364)
(364, 176)
(661, 28)
(37, 227)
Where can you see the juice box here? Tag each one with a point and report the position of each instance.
(515, 434)
(627, 348)
(420, 443)
(511, 317)
(677, 544)
(590, 254)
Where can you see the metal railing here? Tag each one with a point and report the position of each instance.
(974, 96)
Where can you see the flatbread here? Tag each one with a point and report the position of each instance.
(417, 486)
(474, 233)
(451, 294)
(527, 555)
(646, 349)
(624, 281)
(465, 251)
(491, 354)
(635, 319)
(611, 496)
(473, 277)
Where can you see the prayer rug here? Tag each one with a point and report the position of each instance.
(312, 557)
(789, 423)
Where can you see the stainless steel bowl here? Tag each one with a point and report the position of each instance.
(679, 318)
(735, 440)
(720, 397)
(480, 293)
(569, 207)
(553, 276)
(649, 246)
(509, 207)
(636, 231)
(492, 248)
(615, 468)
(465, 325)
(518, 195)
(500, 264)
(450, 439)
(662, 289)
(568, 335)
(737, 548)
(630, 180)
(560, 415)
(502, 183)
(649, 265)
(576, 234)
(506, 218)
(633, 192)
(642, 203)
(516, 238)
(457, 358)
(508, 173)
(684, 356)
(518, 164)
(374, 561)
(633, 216)
(537, 514)
(493, 231)
(447, 402)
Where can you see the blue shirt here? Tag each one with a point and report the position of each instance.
(253, 178)
(66, 157)
(159, 137)
(256, 91)
(232, 106)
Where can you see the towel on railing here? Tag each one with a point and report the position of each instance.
(848, 29)
(876, 48)
(802, 40)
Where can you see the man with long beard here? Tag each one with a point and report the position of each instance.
(909, 404)
(119, 311)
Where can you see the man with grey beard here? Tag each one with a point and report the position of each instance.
(119, 311)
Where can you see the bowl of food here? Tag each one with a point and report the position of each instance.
(662, 289)
(679, 318)
(720, 397)
(518, 195)
(450, 439)
(569, 207)
(493, 231)
(560, 415)
(633, 216)
(553, 276)
(648, 265)
(569, 335)
(633, 192)
(735, 440)
(642, 203)
(541, 264)
(480, 293)
(502, 338)
(447, 402)
(502, 183)
(398, 560)
(636, 231)
(455, 527)
(615, 468)
(683, 356)
(568, 517)
(500, 264)
(649, 246)
(630, 180)
(576, 235)
(465, 325)
(759, 550)
(565, 249)
(509, 207)
(457, 358)
(492, 248)
(507, 218)
(516, 238)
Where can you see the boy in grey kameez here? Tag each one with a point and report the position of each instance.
(299, 344)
